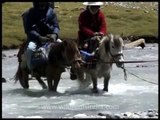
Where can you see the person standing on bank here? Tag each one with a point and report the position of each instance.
(91, 23)
(40, 25)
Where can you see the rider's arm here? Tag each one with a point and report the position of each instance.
(53, 22)
(29, 28)
(103, 24)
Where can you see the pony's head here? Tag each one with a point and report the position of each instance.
(113, 45)
(72, 54)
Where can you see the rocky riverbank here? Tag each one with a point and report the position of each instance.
(140, 114)
(136, 5)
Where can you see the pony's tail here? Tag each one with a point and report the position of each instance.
(18, 75)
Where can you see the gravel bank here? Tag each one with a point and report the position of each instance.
(141, 114)
(136, 5)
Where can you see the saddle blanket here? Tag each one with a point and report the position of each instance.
(40, 56)
(90, 59)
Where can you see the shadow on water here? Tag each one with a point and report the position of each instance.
(46, 93)
(33, 92)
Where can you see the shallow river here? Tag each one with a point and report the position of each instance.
(132, 95)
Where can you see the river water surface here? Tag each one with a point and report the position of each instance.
(132, 95)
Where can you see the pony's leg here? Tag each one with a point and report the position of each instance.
(80, 75)
(53, 73)
(81, 79)
(94, 80)
(56, 81)
(49, 81)
(50, 75)
(88, 79)
(106, 81)
(43, 85)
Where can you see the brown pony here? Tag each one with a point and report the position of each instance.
(60, 56)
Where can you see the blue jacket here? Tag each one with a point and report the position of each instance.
(38, 23)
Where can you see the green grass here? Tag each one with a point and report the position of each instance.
(119, 19)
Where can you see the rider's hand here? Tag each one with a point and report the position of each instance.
(85, 45)
(53, 37)
(101, 34)
(43, 39)
(98, 34)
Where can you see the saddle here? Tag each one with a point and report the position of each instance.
(90, 60)
(40, 56)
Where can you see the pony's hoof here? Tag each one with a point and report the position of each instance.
(95, 90)
(44, 87)
(73, 76)
(25, 87)
(53, 90)
(104, 89)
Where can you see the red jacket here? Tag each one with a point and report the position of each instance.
(88, 24)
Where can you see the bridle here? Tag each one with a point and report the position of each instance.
(79, 60)
(73, 61)
(108, 46)
(115, 55)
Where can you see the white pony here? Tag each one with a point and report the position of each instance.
(110, 51)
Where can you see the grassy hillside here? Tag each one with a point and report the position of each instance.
(128, 21)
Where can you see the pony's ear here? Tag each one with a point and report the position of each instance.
(110, 35)
(121, 35)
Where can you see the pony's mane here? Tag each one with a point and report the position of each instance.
(117, 40)
(66, 43)
(104, 39)
(57, 50)
(70, 43)
(108, 40)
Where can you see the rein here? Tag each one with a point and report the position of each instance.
(76, 60)
(140, 78)
(124, 70)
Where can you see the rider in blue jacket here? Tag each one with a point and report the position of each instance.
(40, 25)
(40, 21)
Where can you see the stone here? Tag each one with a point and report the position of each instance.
(116, 116)
(3, 56)
(3, 80)
(150, 114)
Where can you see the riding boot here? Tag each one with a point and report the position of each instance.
(73, 76)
